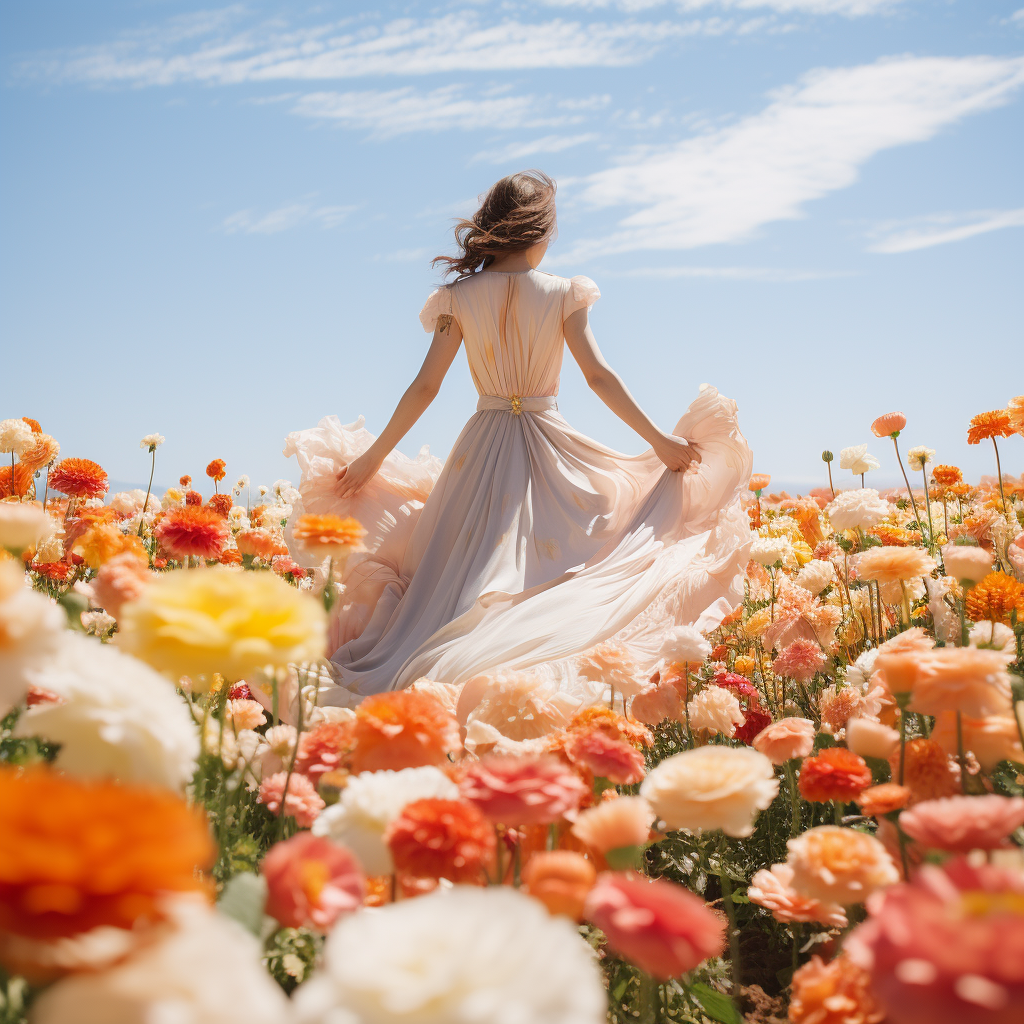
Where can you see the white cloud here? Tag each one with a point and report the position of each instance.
(941, 228)
(522, 150)
(812, 139)
(774, 275)
(1017, 18)
(285, 218)
(849, 8)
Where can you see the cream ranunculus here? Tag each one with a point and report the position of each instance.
(769, 550)
(684, 644)
(711, 787)
(857, 460)
(196, 622)
(815, 576)
(860, 508)
(715, 710)
(23, 525)
(15, 437)
(472, 955)
(839, 865)
(919, 457)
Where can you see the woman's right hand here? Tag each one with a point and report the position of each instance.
(356, 475)
(676, 452)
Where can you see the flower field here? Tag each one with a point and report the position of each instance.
(814, 813)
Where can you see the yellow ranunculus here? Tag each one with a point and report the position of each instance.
(803, 552)
(199, 621)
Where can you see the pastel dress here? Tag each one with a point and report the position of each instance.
(532, 543)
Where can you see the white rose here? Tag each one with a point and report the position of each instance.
(816, 575)
(860, 508)
(769, 550)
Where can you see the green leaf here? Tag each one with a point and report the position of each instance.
(716, 1005)
(243, 899)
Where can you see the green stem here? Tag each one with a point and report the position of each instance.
(928, 509)
(960, 751)
(794, 799)
(917, 515)
(999, 476)
(295, 753)
(149, 488)
(730, 910)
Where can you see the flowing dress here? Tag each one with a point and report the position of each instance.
(532, 543)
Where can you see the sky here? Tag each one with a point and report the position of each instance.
(217, 221)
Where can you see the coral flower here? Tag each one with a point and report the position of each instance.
(328, 535)
(657, 925)
(522, 790)
(959, 824)
(772, 889)
(836, 992)
(759, 481)
(15, 480)
(889, 425)
(221, 504)
(876, 801)
(192, 531)
(834, 774)
(990, 739)
(927, 771)
(434, 838)
(301, 800)
(989, 424)
(657, 702)
(615, 724)
(946, 476)
(966, 679)
(261, 543)
(561, 880)
(78, 855)
(215, 470)
(311, 882)
(325, 748)
(839, 865)
(1015, 410)
(799, 660)
(402, 729)
(605, 756)
(785, 739)
(995, 597)
(893, 564)
(615, 824)
(44, 450)
(79, 478)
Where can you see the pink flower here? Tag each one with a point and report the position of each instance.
(948, 946)
(605, 756)
(655, 924)
(655, 703)
(800, 660)
(959, 824)
(120, 580)
(303, 803)
(522, 790)
(785, 739)
(772, 888)
(245, 714)
(888, 424)
(324, 748)
(311, 882)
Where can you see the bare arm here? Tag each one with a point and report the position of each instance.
(420, 393)
(608, 386)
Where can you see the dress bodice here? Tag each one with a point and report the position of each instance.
(512, 326)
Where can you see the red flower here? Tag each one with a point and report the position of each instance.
(79, 478)
(441, 839)
(834, 774)
(606, 756)
(754, 721)
(60, 571)
(192, 531)
(739, 686)
(240, 691)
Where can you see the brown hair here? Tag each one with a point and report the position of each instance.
(515, 214)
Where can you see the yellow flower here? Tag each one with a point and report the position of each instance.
(100, 543)
(803, 552)
(744, 665)
(758, 622)
(199, 621)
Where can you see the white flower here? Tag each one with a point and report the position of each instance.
(263, 490)
(686, 644)
(769, 550)
(174, 497)
(30, 628)
(51, 549)
(98, 622)
(242, 482)
(861, 670)
(280, 745)
(152, 441)
(710, 788)
(860, 508)
(116, 717)
(966, 561)
(129, 503)
(238, 518)
(816, 575)
(613, 664)
(857, 460)
(207, 970)
(919, 457)
(715, 709)
(15, 436)
(23, 525)
(370, 802)
(466, 956)
(994, 636)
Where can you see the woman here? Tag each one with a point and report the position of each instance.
(532, 543)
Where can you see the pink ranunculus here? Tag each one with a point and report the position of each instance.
(657, 702)
(959, 824)
(659, 926)
(785, 739)
(772, 889)
(948, 946)
(607, 757)
(302, 803)
(120, 580)
(799, 660)
(311, 882)
(522, 790)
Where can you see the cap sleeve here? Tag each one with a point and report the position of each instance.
(582, 294)
(439, 303)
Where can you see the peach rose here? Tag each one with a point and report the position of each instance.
(785, 739)
(839, 865)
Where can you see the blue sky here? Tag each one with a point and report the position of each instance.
(217, 220)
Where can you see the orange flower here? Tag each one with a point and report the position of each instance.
(102, 542)
(193, 498)
(221, 504)
(837, 992)
(261, 544)
(1015, 410)
(324, 749)
(230, 556)
(759, 481)
(606, 756)
(946, 476)
(192, 530)
(402, 729)
(989, 424)
(42, 453)
(22, 477)
(79, 855)
(834, 774)
(613, 824)
(604, 718)
(560, 879)
(216, 470)
(79, 478)
(185, 481)
(927, 772)
(435, 838)
(892, 564)
(889, 425)
(895, 536)
(34, 424)
(884, 799)
(993, 599)
(328, 535)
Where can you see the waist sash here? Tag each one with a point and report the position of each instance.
(516, 404)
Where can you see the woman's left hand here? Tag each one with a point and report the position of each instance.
(356, 475)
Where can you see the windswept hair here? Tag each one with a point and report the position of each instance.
(515, 214)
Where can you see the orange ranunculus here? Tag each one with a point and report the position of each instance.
(230, 556)
(216, 470)
(989, 424)
(78, 855)
(102, 542)
(927, 771)
(79, 478)
(834, 774)
(221, 504)
(402, 729)
(15, 481)
(883, 799)
(260, 543)
(836, 992)
(435, 838)
(192, 530)
(889, 424)
(946, 476)
(185, 481)
(612, 723)
(34, 424)
(994, 597)
(560, 879)
(759, 481)
(328, 535)
(895, 536)
(42, 453)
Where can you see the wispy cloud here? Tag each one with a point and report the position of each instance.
(812, 139)
(773, 275)
(522, 150)
(941, 229)
(848, 8)
(292, 215)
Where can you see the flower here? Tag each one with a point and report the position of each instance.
(301, 800)
(436, 838)
(614, 824)
(102, 542)
(947, 946)
(893, 564)
(861, 508)
(221, 504)
(994, 636)
(661, 927)
(152, 441)
(328, 535)
(121, 579)
(311, 882)
(966, 679)
(966, 562)
(876, 801)
(990, 739)
(889, 425)
(857, 460)
(23, 525)
(43, 452)
(245, 714)
(769, 550)
(605, 718)
(919, 456)
(772, 889)
(657, 702)
(927, 772)
(204, 969)
(799, 660)
(995, 598)
(261, 543)
(946, 476)
(192, 531)
(710, 788)
(839, 865)
(613, 665)
(684, 644)
(716, 710)
(959, 824)
(193, 622)
(605, 756)
(473, 955)
(1015, 410)
(815, 576)
(516, 791)
(989, 424)
(836, 992)
(79, 478)
(560, 879)
(368, 805)
(115, 718)
(324, 748)
(785, 739)
(215, 470)
(80, 855)
(16, 437)
(869, 738)
(833, 774)
(402, 729)
(759, 481)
